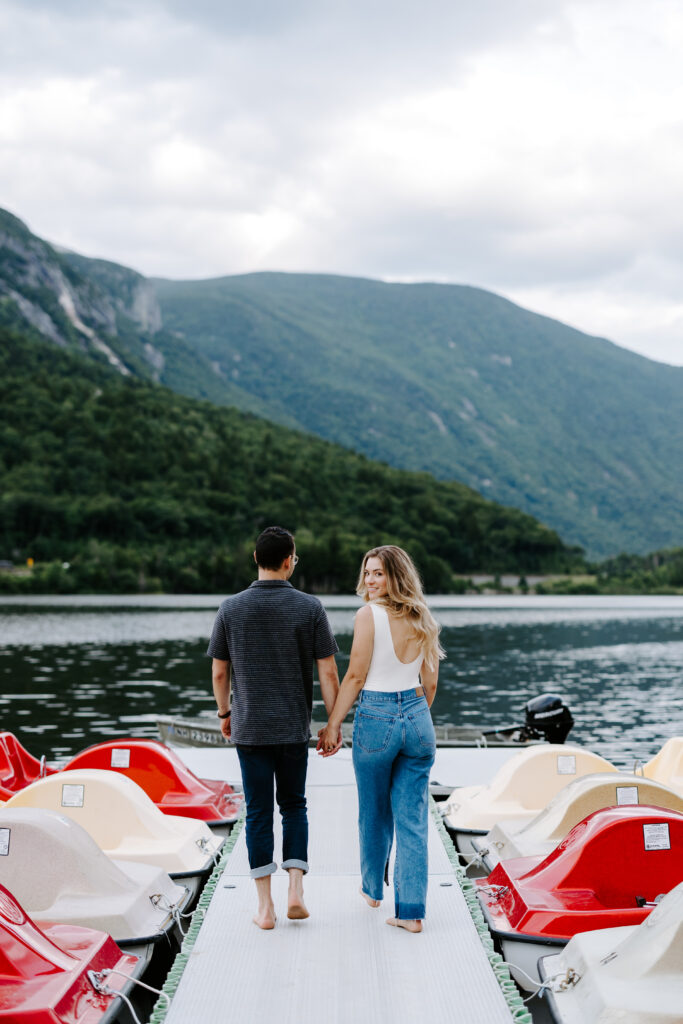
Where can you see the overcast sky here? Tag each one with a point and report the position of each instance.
(530, 147)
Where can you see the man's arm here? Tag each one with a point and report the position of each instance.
(220, 679)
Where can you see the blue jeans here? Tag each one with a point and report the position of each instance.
(393, 750)
(286, 765)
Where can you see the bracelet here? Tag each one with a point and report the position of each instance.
(226, 715)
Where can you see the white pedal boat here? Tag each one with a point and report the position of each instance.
(667, 765)
(125, 823)
(571, 805)
(630, 974)
(520, 789)
(60, 875)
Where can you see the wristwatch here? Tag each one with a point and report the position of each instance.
(226, 715)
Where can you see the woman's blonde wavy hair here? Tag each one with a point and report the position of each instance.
(405, 598)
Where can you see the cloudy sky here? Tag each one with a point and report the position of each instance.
(530, 147)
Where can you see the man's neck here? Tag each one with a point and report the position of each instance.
(272, 574)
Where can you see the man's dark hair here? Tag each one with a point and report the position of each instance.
(273, 546)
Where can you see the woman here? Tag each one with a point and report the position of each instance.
(394, 667)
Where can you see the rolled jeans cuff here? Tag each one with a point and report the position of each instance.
(266, 869)
(293, 863)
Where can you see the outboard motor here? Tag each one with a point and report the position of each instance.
(547, 717)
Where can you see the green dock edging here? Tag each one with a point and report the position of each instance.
(162, 1006)
(520, 1014)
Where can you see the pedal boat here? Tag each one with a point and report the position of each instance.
(59, 874)
(667, 765)
(166, 780)
(631, 974)
(44, 972)
(126, 824)
(606, 873)
(519, 790)
(571, 805)
(18, 768)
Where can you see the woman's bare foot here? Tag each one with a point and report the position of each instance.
(370, 902)
(266, 917)
(296, 911)
(409, 926)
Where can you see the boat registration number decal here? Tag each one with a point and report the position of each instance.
(72, 796)
(627, 795)
(120, 758)
(656, 837)
(4, 841)
(566, 764)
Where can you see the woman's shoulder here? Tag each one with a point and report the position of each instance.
(364, 613)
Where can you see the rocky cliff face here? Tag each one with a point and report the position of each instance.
(79, 303)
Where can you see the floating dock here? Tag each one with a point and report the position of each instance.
(344, 963)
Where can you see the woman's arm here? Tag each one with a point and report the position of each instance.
(353, 681)
(429, 678)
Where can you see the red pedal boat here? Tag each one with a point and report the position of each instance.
(166, 780)
(18, 768)
(44, 972)
(607, 872)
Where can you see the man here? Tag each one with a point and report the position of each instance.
(266, 638)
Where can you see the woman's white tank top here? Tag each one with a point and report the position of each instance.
(386, 672)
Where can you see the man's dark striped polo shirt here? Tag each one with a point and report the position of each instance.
(271, 634)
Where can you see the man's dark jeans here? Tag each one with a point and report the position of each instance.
(286, 763)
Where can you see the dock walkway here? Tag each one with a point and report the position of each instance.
(344, 963)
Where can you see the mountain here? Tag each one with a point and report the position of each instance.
(114, 484)
(580, 433)
(448, 379)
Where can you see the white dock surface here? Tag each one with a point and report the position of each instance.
(344, 964)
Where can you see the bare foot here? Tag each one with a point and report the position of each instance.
(266, 917)
(370, 902)
(409, 926)
(296, 910)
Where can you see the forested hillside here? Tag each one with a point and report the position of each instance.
(455, 380)
(113, 484)
(440, 378)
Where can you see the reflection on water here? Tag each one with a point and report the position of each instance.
(79, 671)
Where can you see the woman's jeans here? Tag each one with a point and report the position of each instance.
(393, 750)
(286, 764)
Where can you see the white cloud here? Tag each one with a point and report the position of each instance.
(529, 147)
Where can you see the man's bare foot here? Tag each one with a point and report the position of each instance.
(370, 902)
(296, 910)
(266, 917)
(410, 926)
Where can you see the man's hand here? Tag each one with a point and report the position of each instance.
(226, 727)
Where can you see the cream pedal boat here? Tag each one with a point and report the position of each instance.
(633, 975)
(667, 765)
(126, 825)
(571, 805)
(519, 790)
(59, 874)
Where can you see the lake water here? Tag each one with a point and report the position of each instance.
(77, 670)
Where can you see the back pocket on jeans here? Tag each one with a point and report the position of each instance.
(422, 723)
(372, 732)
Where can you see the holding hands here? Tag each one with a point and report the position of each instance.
(329, 740)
